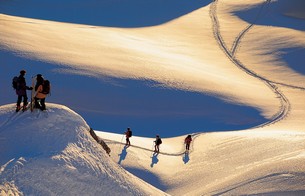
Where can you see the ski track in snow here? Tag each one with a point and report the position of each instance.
(237, 41)
(285, 104)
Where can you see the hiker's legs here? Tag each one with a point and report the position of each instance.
(37, 104)
(156, 148)
(187, 146)
(43, 105)
(19, 100)
(127, 141)
(25, 100)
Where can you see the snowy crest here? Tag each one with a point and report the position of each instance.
(53, 153)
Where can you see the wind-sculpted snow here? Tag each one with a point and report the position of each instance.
(215, 62)
(52, 153)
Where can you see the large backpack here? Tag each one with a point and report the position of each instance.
(130, 133)
(15, 82)
(46, 87)
(159, 141)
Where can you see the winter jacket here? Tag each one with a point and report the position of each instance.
(21, 90)
(127, 134)
(39, 93)
(188, 140)
(158, 141)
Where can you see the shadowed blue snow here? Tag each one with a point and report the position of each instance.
(148, 177)
(113, 13)
(295, 58)
(273, 14)
(110, 104)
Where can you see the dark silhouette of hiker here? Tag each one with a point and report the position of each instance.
(158, 141)
(187, 142)
(21, 88)
(128, 134)
(42, 91)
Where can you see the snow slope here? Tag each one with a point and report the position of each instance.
(232, 163)
(52, 153)
(244, 52)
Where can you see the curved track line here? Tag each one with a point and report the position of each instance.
(238, 39)
(285, 105)
(243, 32)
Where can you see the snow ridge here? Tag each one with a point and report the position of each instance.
(52, 152)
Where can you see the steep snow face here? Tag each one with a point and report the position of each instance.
(51, 152)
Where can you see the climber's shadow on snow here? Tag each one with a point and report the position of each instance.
(123, 155)
(124, 13)
(154, 159)
(186, 158)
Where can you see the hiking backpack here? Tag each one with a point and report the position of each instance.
(46, 87)
(159, 141)
(15, 82)
(130, 133)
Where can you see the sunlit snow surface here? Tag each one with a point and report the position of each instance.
(195, 67)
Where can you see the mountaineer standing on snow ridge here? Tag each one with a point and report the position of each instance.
(42, 91)
(187, 142)
(158, 141)
(20, 85)
(128, 134)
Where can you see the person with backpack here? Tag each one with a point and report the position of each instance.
(128, 134)
(42, 91)
(158, 141)
(19, 84)
(187, 142)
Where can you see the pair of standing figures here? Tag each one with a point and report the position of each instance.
(42, 89)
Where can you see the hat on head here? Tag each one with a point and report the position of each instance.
(22, 71)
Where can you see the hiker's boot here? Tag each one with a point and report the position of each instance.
(18, 108)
